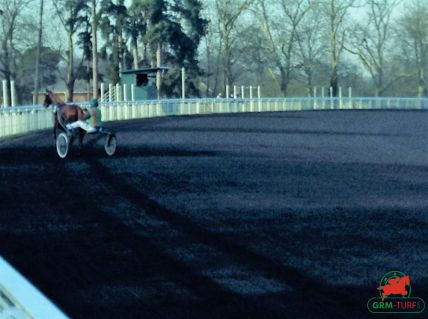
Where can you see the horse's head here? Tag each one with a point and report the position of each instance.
(48, 100)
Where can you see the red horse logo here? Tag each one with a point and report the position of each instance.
(395, 286)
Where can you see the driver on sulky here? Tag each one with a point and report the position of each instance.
(91, 121)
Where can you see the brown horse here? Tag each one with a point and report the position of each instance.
(63, 114)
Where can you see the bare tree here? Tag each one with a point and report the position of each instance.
(11, 27)
(281, 38)
(69, 13)
(413, 35)
(228, 12)
(335, 12)
(211, 60)
(370, 42)
(312, 44)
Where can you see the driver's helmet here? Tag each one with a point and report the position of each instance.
(93, 103)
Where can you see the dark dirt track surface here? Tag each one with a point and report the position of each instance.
(275, 215)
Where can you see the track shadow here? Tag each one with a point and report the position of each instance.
(142, 151)
(47, 154)
(326, 297)
(67, 266)
(179, 129)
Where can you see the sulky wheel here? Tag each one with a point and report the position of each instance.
(62, 145)
(110, 144)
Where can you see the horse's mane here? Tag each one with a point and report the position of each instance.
(55, 99)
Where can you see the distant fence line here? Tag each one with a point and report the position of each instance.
(24, 119)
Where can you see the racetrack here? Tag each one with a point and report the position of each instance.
(272, 215)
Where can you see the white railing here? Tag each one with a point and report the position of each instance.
(110, 95)
(20, 299)
(23, 119)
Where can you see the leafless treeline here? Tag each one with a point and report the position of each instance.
(289, 47)
(378, 47)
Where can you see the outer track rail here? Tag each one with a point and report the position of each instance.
(24, 119)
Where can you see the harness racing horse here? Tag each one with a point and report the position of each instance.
(63, 114)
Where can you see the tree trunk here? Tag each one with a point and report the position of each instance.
(134, 52)
(115, 60)
(208, 71)
(227, 70)
(94, 51)
(70, 90)
(310, 80)
(121, 56)
(422, 90)
(6, 70)
(39, 45)
(334, 80)
(285, 80)
(227, 64)
(70, 66)
(145, 58)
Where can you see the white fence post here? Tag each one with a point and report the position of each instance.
(12, 93)
(243, 92)
(251, 99)
(102, 91)
(118, 95)
(234, 91)
(5, 94)
(125, 93)
(340, 97)
(110, 93)
(183, 83)
(350, 97)
(315, 98)
(323, 97)
(331, 97)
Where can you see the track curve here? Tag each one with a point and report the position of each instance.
(281, 215)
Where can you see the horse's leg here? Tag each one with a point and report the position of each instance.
(81, 136)
(54, 125)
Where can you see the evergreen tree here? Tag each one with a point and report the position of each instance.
(85, 43)
(186, 30)
(113, 21)
(170, 33)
